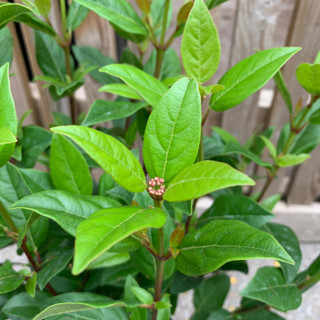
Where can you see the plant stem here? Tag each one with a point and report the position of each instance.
(159, 265)
(310, 281)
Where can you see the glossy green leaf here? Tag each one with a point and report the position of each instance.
(290, 243)
(6, 136)
(120, 89)
(20, 13)
(105, 228)
(172, 135)
(270, 146)
(119, 12)
(214, 3)
(76, 15)
(221, 241)
(8, 117)
(209, 296)
(147, 86)
(6, 46)
(110, 154)
(103, 110)
(269, 286)
(143, 295)
(283, 90)
(202, 178)
(110, 259)
(91, 57)
(69, 169)
(308, 76)
(79, 301)
(210, 89)
(36, 180)
(258, 313)
(236, 207)
(9, 279)
(289, 160)
(44, 7)
(56, 261)
(67, 209)
(248, 76)
(200, 47)
(31, 285)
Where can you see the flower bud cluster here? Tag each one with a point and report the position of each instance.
(156, 188)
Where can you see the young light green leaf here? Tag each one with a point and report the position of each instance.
(76, 15)
(184, 12)
(6, 46)
(248, 76)
(209, 296)
(31, 285)
(269, 286)
(120, 89)
(270, 146)
(289, 160)
(110, 154)
(44, 7)
(80, 301)
(105, 228)
(20, 13)
(147, 86)
(143, 295)
(270, 202)
(144, 5)
(221, 241)
(172, 135)
(6, 136)
(67, 209)
(308, 76)
(103, 110)
(236, 207)
(317, 59)
(8, 117)
(69, 169)
(120, 13)
(202, 178)
(200, 47)
(282, 88)
(210, 89)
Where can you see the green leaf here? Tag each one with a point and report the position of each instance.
(20, 13)
(221, 241)
(67, 209)
(110, 259)
(226, 136)
(76, 15)
(200, 47)
(172, 135)
(143, 295)
(214, 3)
(270, 146)
(289, 160)
(184, 12)
(91, 57)
(269, 286)
(147, 86)
(80, 301)
(44, 7)
(36, 180)
(110, 154)
(10, 280)
(69, 169)
(270, 202)
(56, 261)
(236, 207)
(6, 136)
(258, 313)
(248, 76)
(120, 89)
(105, 228)
(210, 89)
(119, 12)
(290, 243)
(102, 111)
(31, 285)
(8, 117)
(6, 46)
(202, 178)
(210, 295)
(282, 88)
(308, 76)
(144, 5)
(129, 57)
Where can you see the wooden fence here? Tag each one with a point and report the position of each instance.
(244, 25)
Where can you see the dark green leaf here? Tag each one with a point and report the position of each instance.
(218, 242)
(9, 279)
(76, 15)
(269, 286)
(6, 46)
(282, 88)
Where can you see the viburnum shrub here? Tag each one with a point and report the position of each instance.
(125, 245)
